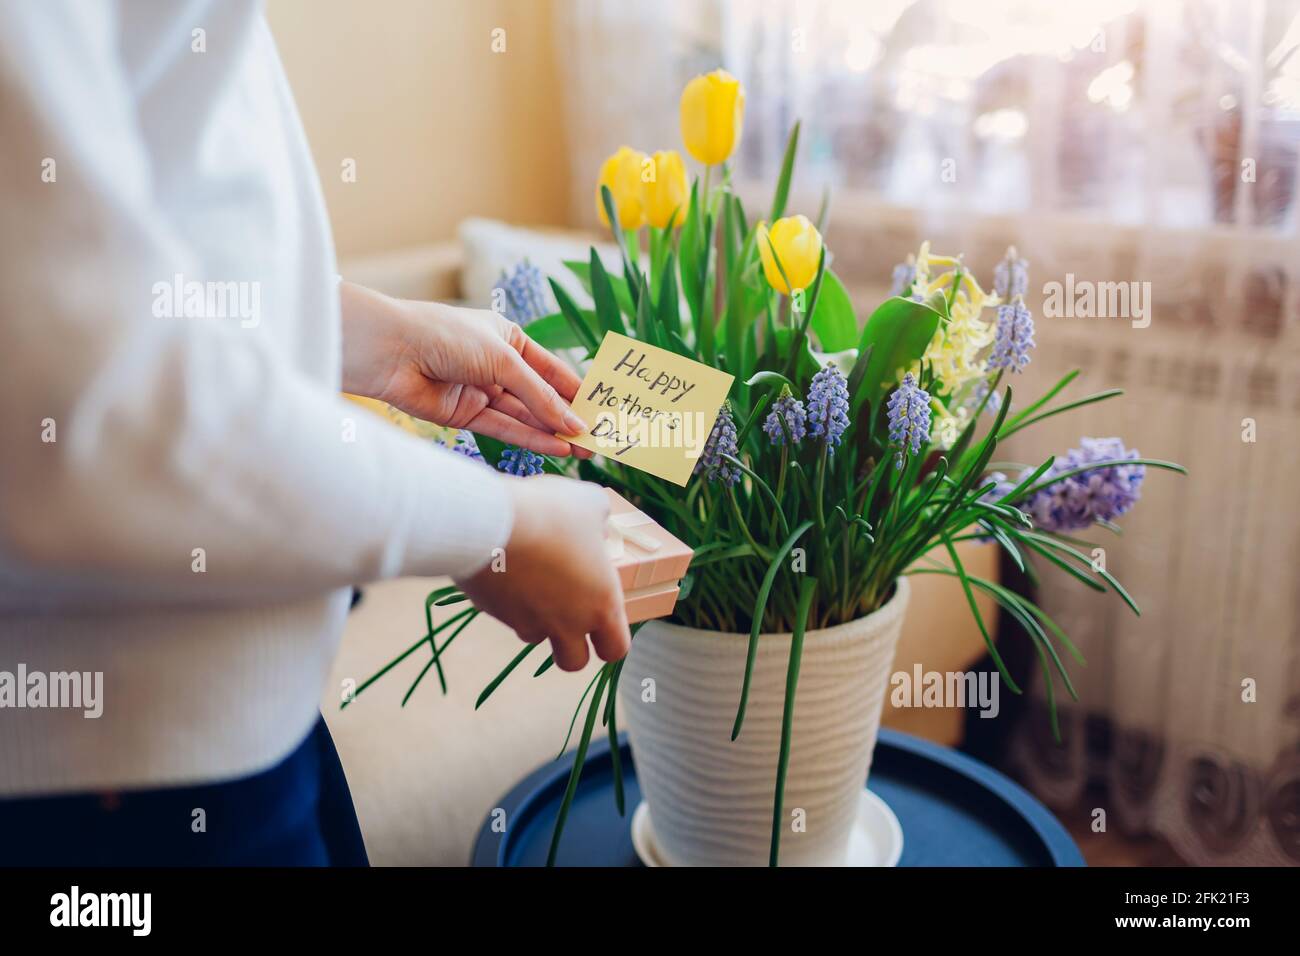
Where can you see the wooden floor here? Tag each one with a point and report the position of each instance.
(1116, 849)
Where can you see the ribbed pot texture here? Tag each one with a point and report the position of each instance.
(710, 797)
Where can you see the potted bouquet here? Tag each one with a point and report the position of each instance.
(842, 458)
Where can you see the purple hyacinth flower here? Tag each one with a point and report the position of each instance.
(521, 462)
(1011, 276)
(1014, 338)
(904, 276)
(828, 406)
(789, 410)
(1079, 501)
(909, 416)
(467, 445)
(721, 441)
(522, 293)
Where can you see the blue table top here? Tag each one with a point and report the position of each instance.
(954, 811)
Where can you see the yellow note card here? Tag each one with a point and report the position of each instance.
(648, 407)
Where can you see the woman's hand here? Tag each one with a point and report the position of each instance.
(463, 368)
(557, 582)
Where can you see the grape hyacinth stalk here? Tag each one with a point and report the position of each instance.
(721, 441)
(466, 445)
(1101, 494)
(787, 416)
(1015, 333)
(1080, 500)
(828, 406)
(909, 417)
(1011, 276)
(1015, 338)
(521, 462)
(521, 294)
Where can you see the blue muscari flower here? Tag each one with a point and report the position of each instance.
(828, 406)
(1014, 338)
(523, 293)
(721, 441)
(1011, 276)
(904, 276)
(790, 410)
(521, 462)
(1079, 501)
(909, 416)
(466, 445)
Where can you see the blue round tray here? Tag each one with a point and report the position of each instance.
(954, 810)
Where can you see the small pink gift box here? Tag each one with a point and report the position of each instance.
(650, 562)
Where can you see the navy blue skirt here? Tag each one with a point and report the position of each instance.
(298, 813)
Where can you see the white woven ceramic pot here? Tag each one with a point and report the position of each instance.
(710, 798)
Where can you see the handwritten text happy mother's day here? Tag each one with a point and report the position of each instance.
(648, 407)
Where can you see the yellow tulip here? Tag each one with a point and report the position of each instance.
(713, 112)
(665, 190)
(622, 174)
(798, 245)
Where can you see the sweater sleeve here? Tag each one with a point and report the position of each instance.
(170, 459)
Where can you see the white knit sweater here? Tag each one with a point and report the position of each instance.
(184, 498)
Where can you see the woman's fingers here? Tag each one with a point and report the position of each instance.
(553, 370)
(522, 380)
(612, 638)
(570, 652)
(512, 431)
(507, 404)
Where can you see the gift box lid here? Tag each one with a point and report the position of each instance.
(643, 553)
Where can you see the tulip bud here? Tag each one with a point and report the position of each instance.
(664, 189)
(713, 112)
(622, 174)
(798, 245)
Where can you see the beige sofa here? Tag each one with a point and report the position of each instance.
(424, 776)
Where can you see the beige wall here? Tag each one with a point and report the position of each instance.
(440, 126)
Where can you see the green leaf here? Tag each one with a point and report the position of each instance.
(769, 378)
(1010, 430)
(1149, 462)
(979, 618)
(806, 365)
(496, 681)
(490, 447)
(783, 182)
(824, 211)
(582, 269)
(555, 331)
(693, 257)
(897, 334)
(1075, 553)
(668, 305)
(615, 752)
(1051, 393)
(576, 773)
(801, 342)
(806, 589)
(745, 296)
(760, 605)
(834, 322)
(577, 710)
(602, 293)
(578, 322)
